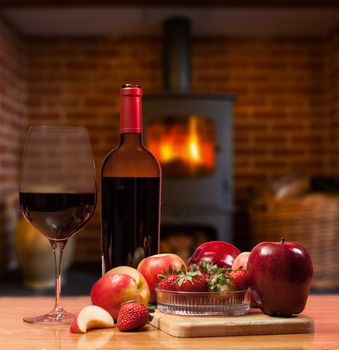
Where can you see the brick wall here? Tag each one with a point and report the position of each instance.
(278, 118)
(12, 127)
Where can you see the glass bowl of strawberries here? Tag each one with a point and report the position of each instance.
(233, 303)
(204, 290)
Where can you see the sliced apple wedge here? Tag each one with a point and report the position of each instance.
(91, 317)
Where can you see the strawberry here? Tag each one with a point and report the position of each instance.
(168, 283)
(241, 278)
(192, 281)
(169, 277)
(200, 283)
(132, 316)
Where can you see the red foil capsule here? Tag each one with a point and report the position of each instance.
(131, 109)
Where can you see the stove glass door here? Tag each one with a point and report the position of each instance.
(183, 144)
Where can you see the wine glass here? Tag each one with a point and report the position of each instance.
(57, 194)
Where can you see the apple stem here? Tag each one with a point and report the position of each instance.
(282, 240)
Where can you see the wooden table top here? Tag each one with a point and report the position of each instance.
(16, 334)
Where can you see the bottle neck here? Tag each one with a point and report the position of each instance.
(131, 139)
(130, 114)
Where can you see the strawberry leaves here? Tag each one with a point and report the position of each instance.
(172, 271)
(205, 276)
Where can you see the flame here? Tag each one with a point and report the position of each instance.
(166, 152)
(183, 145)
(193, 142)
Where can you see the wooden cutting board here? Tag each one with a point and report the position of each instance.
(255, 323)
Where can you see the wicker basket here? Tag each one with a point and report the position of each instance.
(312, 220)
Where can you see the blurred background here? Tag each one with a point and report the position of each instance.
(251, 88)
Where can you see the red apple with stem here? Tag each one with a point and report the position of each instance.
(217, 252)
(281, 276)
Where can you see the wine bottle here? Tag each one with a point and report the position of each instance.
(130, 191)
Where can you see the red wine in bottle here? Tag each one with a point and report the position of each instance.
(130, 191)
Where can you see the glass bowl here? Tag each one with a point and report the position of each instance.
(235, 303)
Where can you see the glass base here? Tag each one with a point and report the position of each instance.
(59, 316)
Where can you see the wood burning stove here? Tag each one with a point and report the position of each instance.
(197, 167)
(191, 135)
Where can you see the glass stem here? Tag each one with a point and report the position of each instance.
(58, 250)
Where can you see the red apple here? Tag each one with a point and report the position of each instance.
(142, 286)
(281, 276)
(91, 317)
(111, 290)
(240, 261)
(154, 265)
(217, 252)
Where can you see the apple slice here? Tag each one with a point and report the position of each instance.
(91, 317)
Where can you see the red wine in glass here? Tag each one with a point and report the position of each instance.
(57, 194)
(57, 215)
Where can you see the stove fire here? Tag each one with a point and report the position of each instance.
(185, 146)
